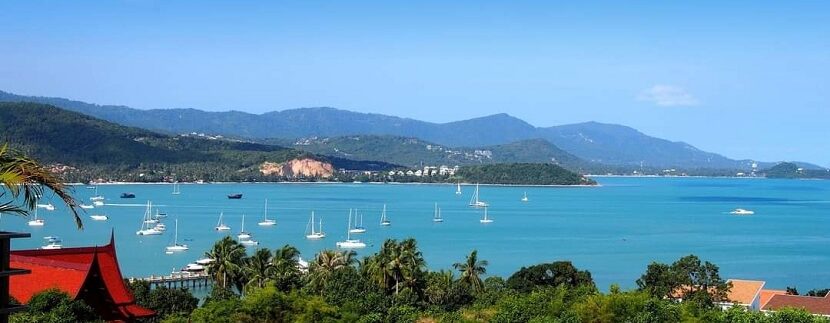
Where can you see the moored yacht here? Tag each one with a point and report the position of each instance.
(485, 220)
(475, 201)
(314, 235)
(266, 222)
(36, 222)
(436, 214)
(350, 243)
(357, 228)
(384, 221)
(742, 212)
(221, 226)
(146, 229)
(98, 217)
(176, 246)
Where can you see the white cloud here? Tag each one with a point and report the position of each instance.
(667, 96)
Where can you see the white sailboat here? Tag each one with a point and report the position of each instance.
(485, 220)
(48, 206)
(96, 197)
(384, 221)
(36, 222)
(357, 228)
(176, 246)
(314, 235)
(524, 198)
(98, 203)
(242, 234)
(176, 190)
(221, 226)
(99, 217)
(146, 229)
(475, 201)
(267, 222)
(458, 189)
(350, 243)
(436, 214)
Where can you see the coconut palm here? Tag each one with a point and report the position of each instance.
(325, 264)
(471, 271)
(227, 255)
(22, 176)
(396, 265)
(258, 268)
(286, 268)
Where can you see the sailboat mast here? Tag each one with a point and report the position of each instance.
(176, 234)
(349, 227)
(266, 209)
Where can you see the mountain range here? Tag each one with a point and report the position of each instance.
(593, 142)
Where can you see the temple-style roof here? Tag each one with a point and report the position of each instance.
(88, 273)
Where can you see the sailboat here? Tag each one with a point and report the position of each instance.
(266, 221)
(221, 226)
(96, 197)
(357, 228)
(315, 234)
(145, 229)
(475, 202)
(485, 220)
(37, 222)
(436, 214)
(242, 234)
(458, 189)
(176, 246)
(176, 190)
(350, 243)
(524, 198)
(48, 206)
(384, 221)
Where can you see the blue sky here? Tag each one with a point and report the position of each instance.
(745, 79)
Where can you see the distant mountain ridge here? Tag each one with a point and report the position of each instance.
(592, 141)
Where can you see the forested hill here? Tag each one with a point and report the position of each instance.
(101, 149)
(609, 144)
(522, 174)
(414, 152)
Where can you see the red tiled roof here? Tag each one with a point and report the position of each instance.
(68, 270)
(767, 294)
(815, 305)
(744, 291)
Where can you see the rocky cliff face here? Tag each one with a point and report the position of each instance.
(304, 167)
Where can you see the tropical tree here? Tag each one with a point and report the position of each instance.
(548, 275)
(397, 265)
(22, 176)
(471, 271)
(227, 255)
(325, 264)
(286, 268)
(258, 268)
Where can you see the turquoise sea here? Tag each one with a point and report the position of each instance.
(613, 230)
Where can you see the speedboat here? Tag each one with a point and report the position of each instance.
(98, 203)
(235, 196)
(351, 244)
(98, 217)
(48, 207)
(148, 232)
(127, 195)
(204, 261)
(87, 206)
(742, 212)
(52, 246)
(248, 242)
(193, 267)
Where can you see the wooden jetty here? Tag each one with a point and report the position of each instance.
(177, 280)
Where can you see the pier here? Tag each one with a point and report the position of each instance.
(177, 280)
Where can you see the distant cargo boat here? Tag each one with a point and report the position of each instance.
(127, 195)
(234, 196)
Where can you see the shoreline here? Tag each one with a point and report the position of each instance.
(332, 183)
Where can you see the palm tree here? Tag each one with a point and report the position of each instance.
(258, 268)
(396, 265)
(227, 255)
(286, 267)
(325, 264)
(471, 271)
(23, 176)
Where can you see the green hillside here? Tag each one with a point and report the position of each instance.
(521, 174)
(100, 149)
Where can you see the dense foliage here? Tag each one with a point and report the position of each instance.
(791, 170)
(394, 285)
(54, 306)
(523, 174)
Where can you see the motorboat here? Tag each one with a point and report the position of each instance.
(235, 196)
(99, 217)
(742, 212)
(127, 195)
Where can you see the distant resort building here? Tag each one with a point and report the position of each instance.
(90, 274)
(751, 295)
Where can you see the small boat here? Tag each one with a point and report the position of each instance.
(485, 220)
(357, 228)
(96, 197)
(242, 234)
(524, 198)
(314, 235)
(475, 201)
(87, 206)
(176, 190)
(127, 195)
(267, 222)
(175, 247)
(145, 229)
(248, 242)
(220, 226)
(458, 189)
(350, 243)
(160, 227)
(384, 221)
(235, 196)
(35, 222)
(53, 245)
(436, 214)
(98, 217)
(194, 267)
(204, 261)
(98, 203)
(52, 238)
(48, 207)
(742, 212)
(90, 187)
